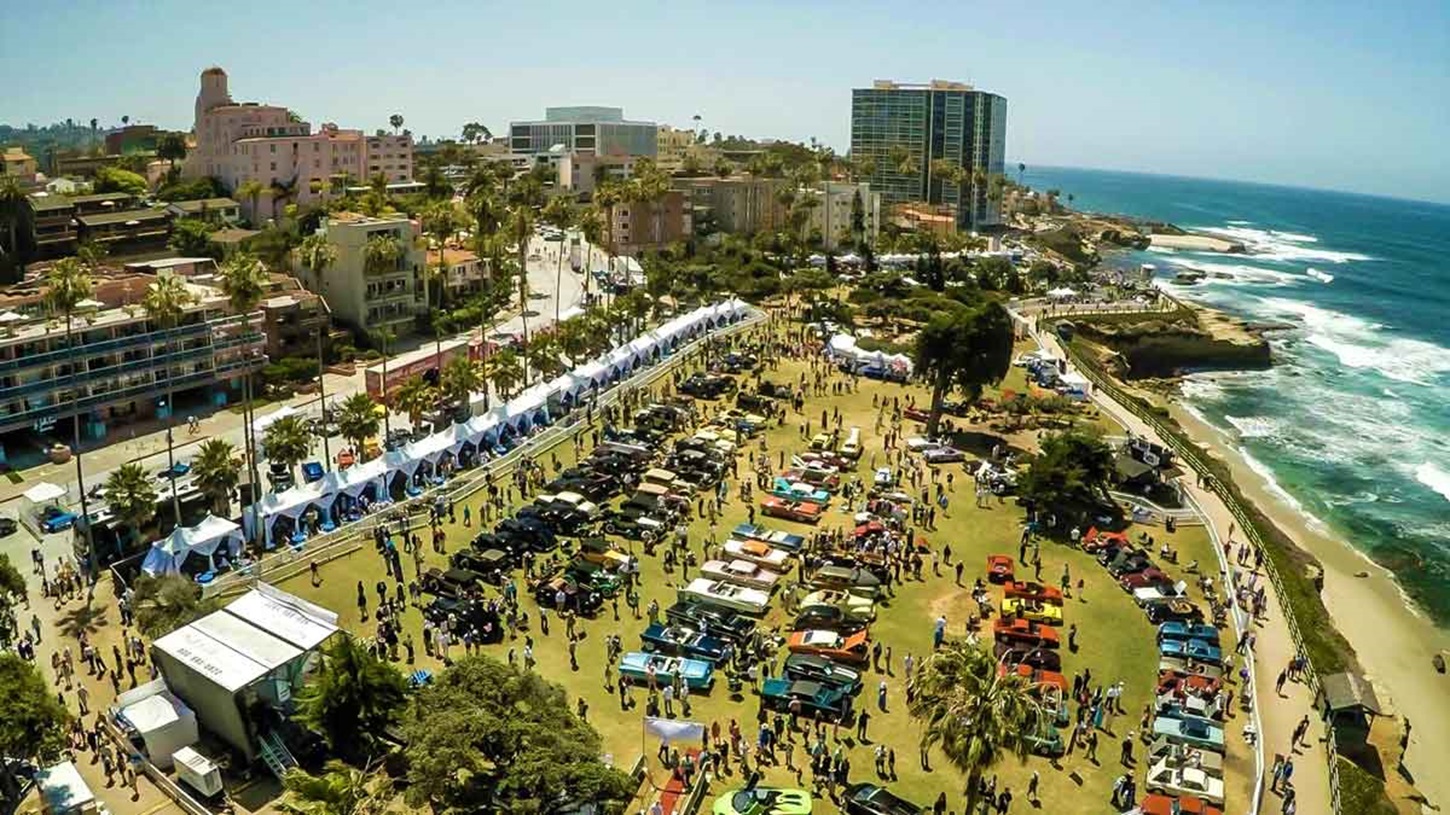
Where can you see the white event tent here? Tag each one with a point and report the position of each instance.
(205, 539)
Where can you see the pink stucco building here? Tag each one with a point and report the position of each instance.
(244, 141)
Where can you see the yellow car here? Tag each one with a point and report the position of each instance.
(1032, 609)
(821, 441)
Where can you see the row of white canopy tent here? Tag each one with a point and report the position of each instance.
(843, 348)
(518, 416)
(213, 534)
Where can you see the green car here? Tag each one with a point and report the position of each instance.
(595, 576)
(1046, 742)
(763, 801)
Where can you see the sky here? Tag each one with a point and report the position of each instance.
(1329, 94)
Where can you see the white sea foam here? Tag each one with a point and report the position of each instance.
(1284, 246)
(1240, 223)
(1254, 427)
(1434, 478)
(1236, 273)
(1275, 488)
(1162, 250)
(1360, 344)
(1322, 277)
(1200, 390)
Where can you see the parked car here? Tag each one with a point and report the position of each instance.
(1034, 610)
(707, 386)
(872, 799)
(635, 524)
(1036, 676)
(1022, 653)
(832, 703)
(825, 617)
(527, 534)
(1163, 752)
(760, 553)
(684, 641)
(854, 580)
(1149, 577)
(1177, 630)
(492, 564)
(638, 666)
(849, 648)
(743, 572)
(799, 491)
(577, 598)
(604, 553)
(999, 568)
(800, 511)
(1022, 630)
(8, 527)
(789, 541)
(1155, 804)
(716, 621)
(1032, 591)
(853, 606)
(1177, 591)
(755, 800)
(817, 668)
(1191, 649)
(944, 455)
(1162, 611)
(1193, 731)
(55, 519)
(726, 595)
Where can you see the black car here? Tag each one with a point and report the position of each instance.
(614, 466)
(451, 583)
(753, 401)
(492, 564)
(737, 363)
(592, 485)
(8, 526)
(577, 598)
(715, 621)
(471, 612)
(700, 446)
(816, 668)
(870, 799)
(707, 386)
(526, 533)
(1127, 563)
(634, 523)
(560, 517)
(775, 391)
(1163, 611)
(825, 618)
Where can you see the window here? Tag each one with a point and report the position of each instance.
(274, 165)
(274, 147)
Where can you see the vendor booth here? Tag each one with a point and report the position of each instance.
(64, 792)
(195, 550)
(161, 722)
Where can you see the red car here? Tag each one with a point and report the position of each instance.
(1021, 629)
(1187, 805)
(916, 414)
(1032, 591)
(802, 511)
(1036, 676)
(999, 568)
(1150, 576)
(1094, 540)
(1170, 681)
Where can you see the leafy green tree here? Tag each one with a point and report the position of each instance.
(352, 698)
(488, 737)
(542, 354)
(1070, 478)
(192, 238)
(460, 377)
(164, 603)
(963, 350)
(357, 420)
(416, 397)
(972, 714)
(217, 472)
(12, 588)
(33, 722)
(115, 179)
(288, 441)
(131, 495)
(505, 372)
(340, 790)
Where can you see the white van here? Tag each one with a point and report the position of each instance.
(851, 448)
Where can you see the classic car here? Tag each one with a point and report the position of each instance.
(1191, 649)
(1162, 751)
(920, 444)
(600, 551)
(561, 518)
(819, 477)
(684, 641)
(943, 455)
(726, 595)
(1151, 576)
(763, 801)
(635, 524)
(789, 541)
(1176, 630)
(884, 477)
(1036, 676)
(852, 648)
(1095, 540)
(1022, 630)
(492, 564)
(825, 617)
(1162, 611)
(1127, 562)
(1193, 731)
(716, 441)
(707, 386)
(572, 500)
(828, 459)
(817, 668)
(1177, 591)
(759, 552)
(522, 533)
(1032, 591)
(1034, 610)
(451, 582)
(798, 491)
(594, 576)
(853, 579)
(736, 362)
(916, 414)
(854, 606)
(1190, 667)
(1181, 684)
(999, 568)
(801, 511)
(831, 702)
(822, 441)
(576, 597)
(1176, 706)
(873, 562)
(1046, 741)
(712, 620)
(1021, 653)
(637, 666)
(872, 799)
(743, 572)
(1155, 804)
(55, 519)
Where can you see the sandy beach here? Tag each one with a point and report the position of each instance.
(1196, 243)
(1394, 641)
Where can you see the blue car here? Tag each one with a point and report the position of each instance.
(788, 541)
(1191, 649)
(684, 641)
(799, 491)
(55, 519)
(1194, 731)
(1178, 630)
(636, 667)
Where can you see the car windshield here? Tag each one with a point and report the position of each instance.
(822, 638)
(746, 802)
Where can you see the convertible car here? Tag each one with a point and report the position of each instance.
(1032, 610)
(802, 511)
(799, 491)
(1022, 630)
(726, 595)
(684, 641)
(789, 541)
(855, 607)
(1191, 649)
(763, 801)
(1036, 676)
(759, 552)
(816, 668)
(851, 648)
(1176, 630)
(743, 572)
(1194, 731)
(636, 666)
(1032, 591)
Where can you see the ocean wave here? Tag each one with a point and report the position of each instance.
(1200, 390)
(1275, 489)
(1161, 250)
(1254, 427)
(1322, 277)
(1236, 272)
(1361, 344)
(1269, 244)
(1434, 478)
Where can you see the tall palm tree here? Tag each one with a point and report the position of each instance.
(167, 602)
(245, 282)
(416, 397)
(520, 230)
(975, 716)
(215, 472)
(506, 372)
(68, 283)
(131, 496)
(357, 420)
(288, 441)
(340, 790)
(381, 253)
(317, 253)
(12, 198)
(165, 304)
(251, 190)
(542, 353)
(352, 698)
(559, 213)
(461, 377)
(591, 228)
(440, 221)
(384, 337)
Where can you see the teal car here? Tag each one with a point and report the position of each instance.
(799, 491)
(637, 666)
(763, 801)
(831, 702)
(1194, 731)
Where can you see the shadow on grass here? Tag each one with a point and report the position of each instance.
(86, 619)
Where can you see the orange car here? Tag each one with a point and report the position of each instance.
(1021, 629)
(852, 648)
(1032, 591)
(1095, 540)
(1036, 676)
(802, 511)
(1171, 681)
(999, 568)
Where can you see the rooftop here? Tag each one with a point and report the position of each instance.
(124, 216)
(1347, 691)
(453, 257)
(234, 235)
(208, 203)
(934, 85)
(102, 197)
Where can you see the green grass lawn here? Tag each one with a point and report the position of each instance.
(1116, 642)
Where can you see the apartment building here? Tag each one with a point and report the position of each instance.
(634, 227)
(463, 272)
(118, 366)
(941, 120)
(844, 213)
(746, 205)
(58, 223)
(371, 298)
(585, 129)
(269, 144)
(580, 173)
(19, 165)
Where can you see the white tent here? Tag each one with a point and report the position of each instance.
(266, 421)
(164, 723)
(44, 493)
(1061, 293)
(213, 533)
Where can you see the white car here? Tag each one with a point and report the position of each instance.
(741, 571)
(943, 455)
(920, 444)
(1184, 780)
(583, 505)
(726, 595)
(717, 441)
(759, 552)
(1151, 593)
(884, 477)
(860, 609)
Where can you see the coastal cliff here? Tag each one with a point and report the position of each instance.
(1166, 344)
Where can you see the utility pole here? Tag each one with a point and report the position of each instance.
(322, 399)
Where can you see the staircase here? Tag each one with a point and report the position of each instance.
(276, 755)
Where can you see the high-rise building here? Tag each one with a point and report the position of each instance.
(903, 129)
(586, 130)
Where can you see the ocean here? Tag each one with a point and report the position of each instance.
(1351, 426)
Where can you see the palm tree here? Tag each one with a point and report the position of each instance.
(165, 303)
(288, 441)
(975, 716)
(396, 120)
(520, 229)
(559, 212)
(357, 420)
(166, 602)
(317, 253)
(68, 283)
(591, 227)
(252, 190)
(384, 336)
(245, 283)
(12, 198)
(1021, 168)
(440, 221)
(506, 372)
(460, 377)
(131, 496)
(215, 472)
(352, 698)
(542, 353)
(416, 397)
(340, 790)
(381, 253)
